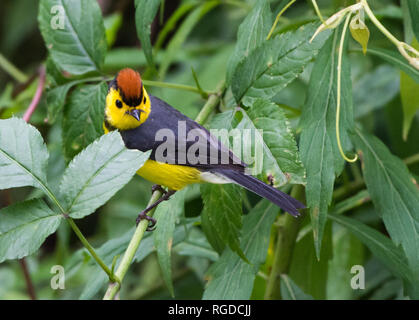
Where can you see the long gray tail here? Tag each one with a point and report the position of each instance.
(281, 199)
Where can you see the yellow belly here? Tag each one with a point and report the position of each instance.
(173, 176)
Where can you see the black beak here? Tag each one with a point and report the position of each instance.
(136, 113)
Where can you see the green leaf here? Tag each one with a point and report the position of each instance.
(309, 273)
(196, 245)
(24, 226)
(222, 216)
(83, 117)
(251, 34)
(97, 173)
(359, 32)
(318, 144)
(352, 202)
(272, 66)
(413, 6)
(23, 155)
(166, 215)
(397, 60)
(409, 92)
(290, 291)
(182, 33)
(231, 277)
(145, 11)
(394, 194)
(380, 246)
(56, 98)
(74, 34)
(280, 153)
(171, 23)
(275, 144)
(112, 25)
(347, 252)
(375, 89)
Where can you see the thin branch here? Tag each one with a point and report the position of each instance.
(175, 86)
(135, 241)
(37, 97)
(412, 159)
(29, 285)
(317, 10)
(7, 66)
(277, 18)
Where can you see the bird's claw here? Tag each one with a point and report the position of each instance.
(143, 216)
(158, 187)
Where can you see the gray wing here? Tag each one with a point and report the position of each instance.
(177, 139)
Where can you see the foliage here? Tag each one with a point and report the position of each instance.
(237, 65)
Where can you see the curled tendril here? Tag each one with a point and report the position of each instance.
(342, 41)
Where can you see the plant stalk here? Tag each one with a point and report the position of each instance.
(91, 250)
(37, 97)
(28, 280)
(277, 18)
(412, 159)
(131, 250)
(174, 86)
(7, 66)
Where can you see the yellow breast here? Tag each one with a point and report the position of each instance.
(173, 176)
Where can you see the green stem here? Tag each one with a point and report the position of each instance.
(12, 70)
(171, 23)
(92, 251)
(378, 24)
(130, 252)
(296, 111)
(135, 241)
(212, 102)
(80, 235)
(277, 18)
(339, 91)
(287, 235)
(344, 190)
(317, 10)
(174, 86)
(412, 159)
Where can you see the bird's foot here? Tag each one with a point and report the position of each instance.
(143, 216)
(271, 180)
(158, 187)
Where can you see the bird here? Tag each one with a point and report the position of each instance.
(147, 123)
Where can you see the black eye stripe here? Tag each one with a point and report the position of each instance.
(118, 104)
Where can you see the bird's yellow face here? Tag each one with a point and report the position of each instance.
(127, 103)
(122, 116)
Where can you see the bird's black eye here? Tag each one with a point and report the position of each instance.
(145, 99)
(118, 104)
